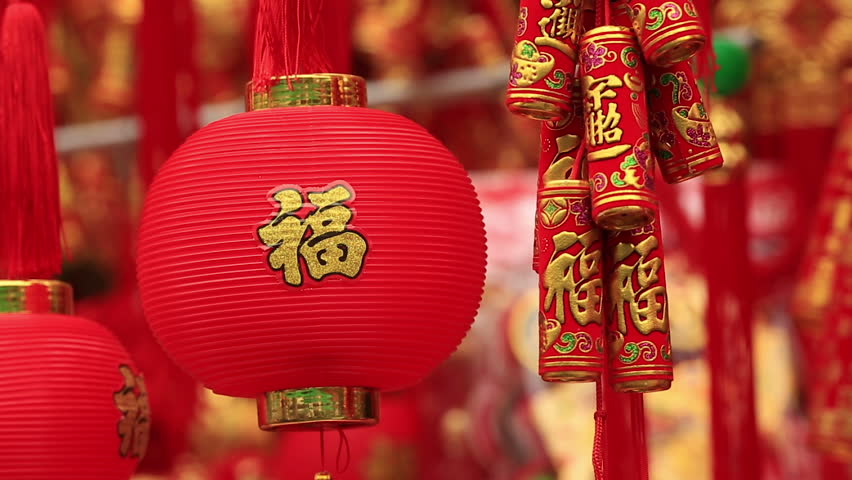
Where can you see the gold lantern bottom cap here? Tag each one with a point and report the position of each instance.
(624, 218)
(679, 50)
(317, 408)
(642, 386)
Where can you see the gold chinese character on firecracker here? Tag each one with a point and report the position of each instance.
(135, 423)
(561, 25)
(648, 311)
(602, 125)
(320, 238)
(575, 274)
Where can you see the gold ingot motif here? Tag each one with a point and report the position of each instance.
(694, 125)
(531, 63)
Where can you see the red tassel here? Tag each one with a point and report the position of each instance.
(291, 39)
(30, 240)
(706, 58)
(168, 81)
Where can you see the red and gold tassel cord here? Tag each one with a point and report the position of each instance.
(30, 244)
(682, 137)
(729, 320)
(638, 314)
(669, 31)
(544, 59)
(621, 167)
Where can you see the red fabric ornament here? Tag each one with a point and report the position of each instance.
(571, 340)
(71, 403)
(621, 167)
(729, 321)
(544, 59)
(312, 246)
(682, 136)
(669, 31)
(559, 143)
(638, 328)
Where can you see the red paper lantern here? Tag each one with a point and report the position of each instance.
(71, 403)
(313, 255)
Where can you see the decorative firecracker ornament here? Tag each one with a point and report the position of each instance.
(669, 31)
(682, 137)
(621, 166)
(544, 59)
(310, 252)
(638, 317)
(571, 339)
(559, 143)
(72, 404)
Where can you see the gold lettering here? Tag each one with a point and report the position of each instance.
(560, 26)
(329, 248)
(646, 305)
(578, 275)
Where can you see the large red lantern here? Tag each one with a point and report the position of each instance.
(311, 256)
(71, 403)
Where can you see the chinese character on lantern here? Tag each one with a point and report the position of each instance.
(576, 275)
(320, 238)
(135, 423)
(645, 305)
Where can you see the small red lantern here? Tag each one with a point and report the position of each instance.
(311, 256)
(71, 403)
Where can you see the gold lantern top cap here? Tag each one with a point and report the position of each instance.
(320, 89)
(36, 296)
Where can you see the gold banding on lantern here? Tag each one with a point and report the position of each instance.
(318, 407)
(36, 296)
(326, 89)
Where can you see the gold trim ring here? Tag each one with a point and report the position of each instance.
(328, 89)
(36, 296)
(318, 407)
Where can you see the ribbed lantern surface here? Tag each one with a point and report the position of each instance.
(70, 401)
(311, 246)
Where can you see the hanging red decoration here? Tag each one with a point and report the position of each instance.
(313, 255)
(669, 31)
(682, 136)
(559, 143)
(638, 321)
(544, 59)
(621, 167)
(571, 339)
(571, 287)
(72, 404)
